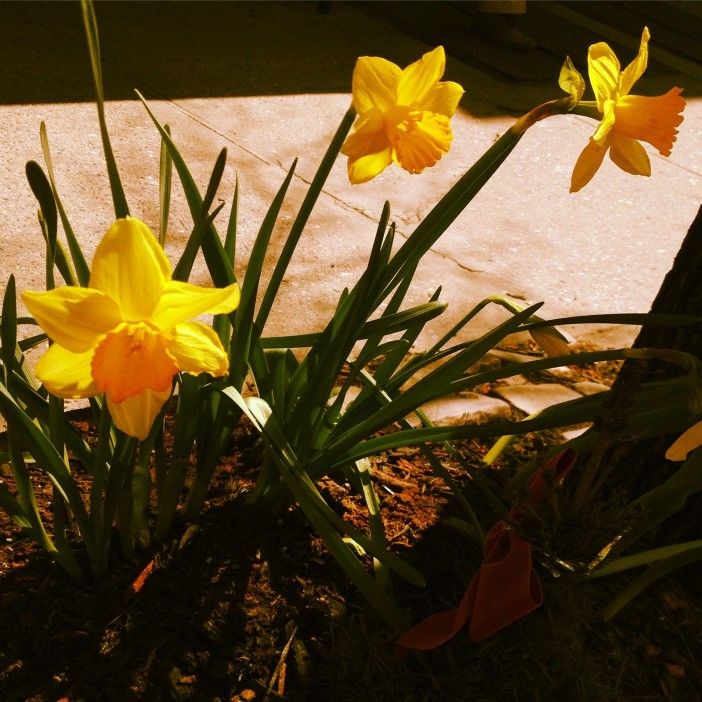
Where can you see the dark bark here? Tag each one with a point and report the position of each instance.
(637, 466)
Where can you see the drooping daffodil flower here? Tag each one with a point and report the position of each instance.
(127, 334)
(626, 119)
(403, 115)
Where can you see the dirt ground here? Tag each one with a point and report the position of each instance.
(249, 606)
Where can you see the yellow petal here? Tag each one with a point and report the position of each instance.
(419, 77)
(552, 340)
(686, 442)
(197, 349)
(374, 84)
(364, 168)
(135, 415)
(131, 268)
(442, 98)
(76, 318)
(182, 301)
(586, 166)
(132, 359)
(571, 81)
(651, 119)
(630, 156)
(603, 68)
(368, 149)
(604, 128)
(421, 142)
(66, 374)
(369, 135)
(636, 68)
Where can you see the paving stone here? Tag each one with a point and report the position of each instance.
(570, 434)
(588, 387)
(534, 398)
(487, 362)
(513, 357)
(510, 380)
(467, 408)
(561, 372)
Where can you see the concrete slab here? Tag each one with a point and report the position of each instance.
(534, 398)
(468, 408)
(605, 249)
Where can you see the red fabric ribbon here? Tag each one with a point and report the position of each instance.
(505, 587)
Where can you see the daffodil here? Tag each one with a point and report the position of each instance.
(625, 118)
(403, 115)
(127, 334)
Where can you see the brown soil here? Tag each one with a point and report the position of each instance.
(249, 606)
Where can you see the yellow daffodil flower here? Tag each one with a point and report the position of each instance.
(126, 335)
(626, 118)
(403, 115)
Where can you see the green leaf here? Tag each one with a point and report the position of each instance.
(41, 188)
(14, 509)
(691, 554)
(637, 560)
(303, 215)
(203, 221)
(79, 262)
(165, 176)
(245, 333)
(47, 457)
(655, 506)
(91, 33)
(8, 329)
(447, 209)
(212, 249)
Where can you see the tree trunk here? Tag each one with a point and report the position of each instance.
(640, 465)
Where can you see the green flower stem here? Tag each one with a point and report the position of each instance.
(587, 108)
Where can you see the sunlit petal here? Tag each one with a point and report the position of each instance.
(636, 68)
(651, 119)
(442, 98)
(552, 340)
(363, 168)
(374, 83)
(419, 77)
(604, 128)
(630, 156)
(66, 374)
(132, 359)
(571, 81)
(197, 349)
(423, 142)
(131, 268)
(586, 166)
(76, 318)
(603, 68)
(368, 150)
(182, 301)
(135, 415)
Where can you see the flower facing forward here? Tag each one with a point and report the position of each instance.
(403, 115)
(626, 118)
(127, 334)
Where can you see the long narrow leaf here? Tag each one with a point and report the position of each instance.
(212, 249)
(185, 264)
(303, 215)
(165, 176)
(79, 262)
(91, 33)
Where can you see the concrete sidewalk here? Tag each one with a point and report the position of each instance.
(605, 249)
